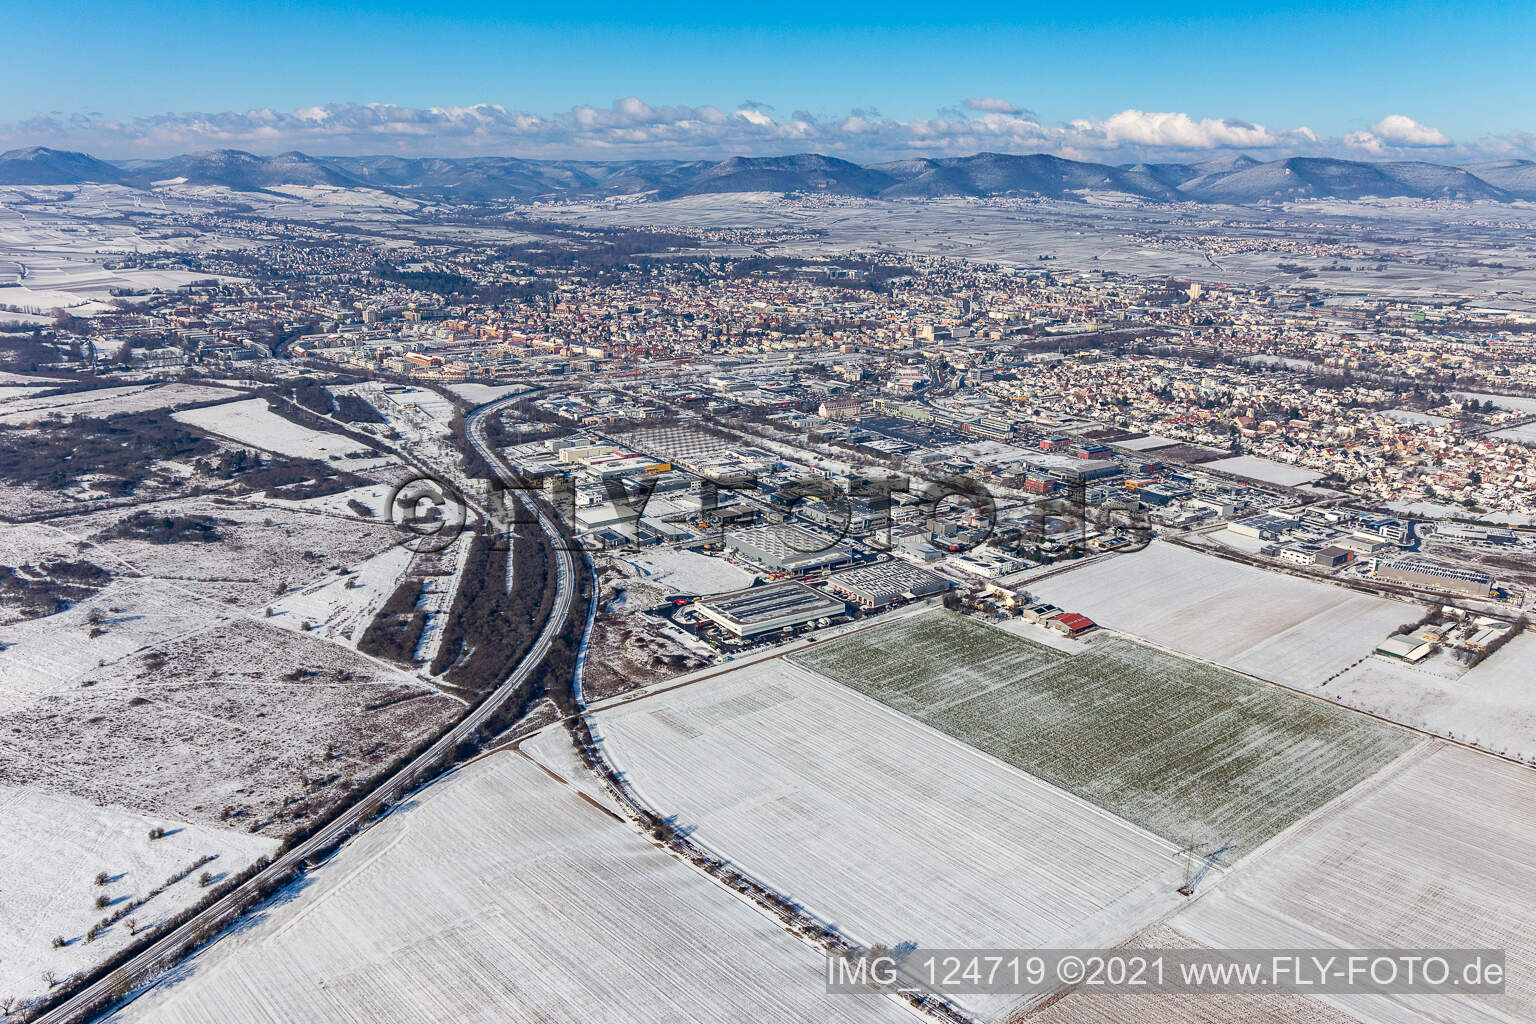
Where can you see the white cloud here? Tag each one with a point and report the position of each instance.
(632, 127)
(1180, 131)
(1398, 130)
(990, 105)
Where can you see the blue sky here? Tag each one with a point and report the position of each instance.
(1334, 69)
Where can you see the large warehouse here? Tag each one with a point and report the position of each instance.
(765, 609)
(788, 547)
(1437, 577)
(875, 586)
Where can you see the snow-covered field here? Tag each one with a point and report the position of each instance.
(100, 402)
(1523, 435)
(251, 422)
(688, 572)
(881, 824)
(1264, 470)
(1141, 444)
(507, 894)
(1493, 706)
(1083, 1006)
(483, 393)
(1189, 751)
(57, 845)
(340, 607)
(1442, 855)
(1293, 631)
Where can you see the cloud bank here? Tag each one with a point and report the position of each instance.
(1398, 130)
(632, 128)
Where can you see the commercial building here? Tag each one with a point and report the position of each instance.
(1331, 557)
(748, 613)
(875, 586)
(1437, 577)
(1263, 526)
(788, 547)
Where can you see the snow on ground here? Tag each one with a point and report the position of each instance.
(505, 894)
(1527, 405)
(1084, 1006)
(1493, 706)
(876, 822)
(1440, 855)
(1141, 444)
(374, 496)
(340, 608)
(1523, 435)
(55, 848)
(251, 422)
(1422, 418)
(105, 401)
(480, 394)
(270, 722)
(1189, 751)
(689, 572)
(1293, 631)
(161, 592)
(1264, 470)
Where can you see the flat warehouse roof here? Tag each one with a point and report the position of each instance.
(771, 602)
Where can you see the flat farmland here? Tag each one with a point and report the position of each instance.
(1294, 631)
(506, 894)
(1440, 855)
(888, 828)
(1188, 751)
(1492, 706)
(1084, 1007)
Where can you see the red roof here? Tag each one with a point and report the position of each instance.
(1073, 621)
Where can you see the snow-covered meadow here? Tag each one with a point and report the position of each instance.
(56, 847)
(251, 422)
(1439, 853)
(890, 829)
(1291, 630)
(1190, 751)
(27, 409)
(507, 893)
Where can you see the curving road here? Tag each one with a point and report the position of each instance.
(243, 897)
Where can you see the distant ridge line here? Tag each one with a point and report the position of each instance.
(1232, 179)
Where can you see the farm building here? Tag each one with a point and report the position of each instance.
(1404, 647)
(875, 586)
(765, 609)
(1072, 624)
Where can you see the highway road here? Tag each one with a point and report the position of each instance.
(242, 898)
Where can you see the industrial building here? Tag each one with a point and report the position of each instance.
(875, 586)
(1332, 557)
(1438, 577)
(748, 613)
(1263, 526)
(788, 547)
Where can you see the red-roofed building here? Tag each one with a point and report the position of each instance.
(1072, 624)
